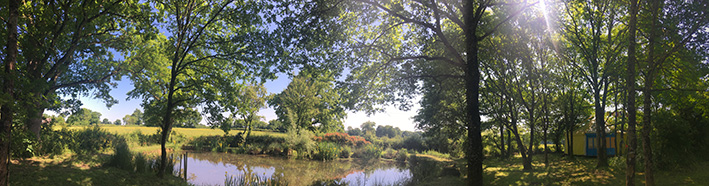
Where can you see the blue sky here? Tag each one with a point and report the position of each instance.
(391, 116)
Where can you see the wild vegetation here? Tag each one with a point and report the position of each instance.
(500, 83)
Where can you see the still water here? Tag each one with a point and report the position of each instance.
(213, 168)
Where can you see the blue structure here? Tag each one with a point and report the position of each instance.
(592, 145)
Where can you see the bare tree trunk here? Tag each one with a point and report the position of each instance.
(7, 111)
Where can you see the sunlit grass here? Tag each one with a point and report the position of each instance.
(580, 171)
(69, 169)
(187, 132)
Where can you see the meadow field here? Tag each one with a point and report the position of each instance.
(186, 132)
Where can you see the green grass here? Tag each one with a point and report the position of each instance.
(73, 170)
(581, 171)
(187, 132)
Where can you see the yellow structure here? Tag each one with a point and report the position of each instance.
(586, 144)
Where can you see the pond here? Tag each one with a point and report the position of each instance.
(214, 168)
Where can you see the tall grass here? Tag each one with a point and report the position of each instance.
(254, 179)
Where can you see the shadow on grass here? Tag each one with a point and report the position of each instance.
(79, 171)
(561, 171)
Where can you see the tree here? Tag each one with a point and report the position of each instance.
(84, 117)
(66, 50)
(596, 42)
(368, 127)
(630, 95)
(252, 98)
(676, 32)
(354, 131)
(245, 103)
(105, 121)
(8, 102)
(276, 125)
(187, 117)
(136, 118)
(387, 42)
(198, 61)
(310, 102)
(117, 122)
(388, 131)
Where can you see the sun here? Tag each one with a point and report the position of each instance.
(545, 11)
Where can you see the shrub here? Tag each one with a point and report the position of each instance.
(414, 142)
(617, 161)
(368, 152)
(342, 139)
(357, 141)
(141, 163)
(302, 143)
(401, 155)
(122, 157)
(23, 144)
(143, 139)
(91, 140)
(327, 151)
(346, 151)
(389, 154)
(54, 142)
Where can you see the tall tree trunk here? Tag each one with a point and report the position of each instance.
(7, 111)
(502, 140)
(531, 133)
(167, 120)
(630, 96)
(472, 86)
(647, 92)
(526, 159)
(647, 128)
(509, 143)
(545, 128)
(600, 131)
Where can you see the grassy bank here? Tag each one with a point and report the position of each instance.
(70, 169)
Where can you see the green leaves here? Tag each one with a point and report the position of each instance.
(310, 102)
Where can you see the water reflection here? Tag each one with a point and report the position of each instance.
(214, 168)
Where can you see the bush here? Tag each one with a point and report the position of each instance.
(141, 139)
(389, 154)
(346, 151)
(141, 163)
(91, 140)
(414, 142)
(327, 151)
(23, 144)
(617, 162)
(401, 155)
(302, 143)
(54, 142)
(122, 157)
(368, 152)
(342, 139)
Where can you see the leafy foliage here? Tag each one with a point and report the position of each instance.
(310, 102)
(84, 117)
